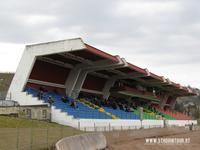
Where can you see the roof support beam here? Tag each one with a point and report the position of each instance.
(106, 64)
(78, 75)
(100, 75)
(133, 75)
(117, 72)
(77, 58)
(56, 62)
(164, 100)
(173, 102)
(106, 90)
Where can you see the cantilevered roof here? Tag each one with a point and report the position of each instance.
(149, 78)
(90, 55)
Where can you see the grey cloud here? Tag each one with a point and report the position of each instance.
(146, 37)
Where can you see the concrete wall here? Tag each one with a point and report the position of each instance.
(35, 112)
(9, 110)
(118, 124)
(109, 124)
(29, 112)
(92, 141)
(180, 122)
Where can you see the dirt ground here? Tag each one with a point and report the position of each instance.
(136, 139)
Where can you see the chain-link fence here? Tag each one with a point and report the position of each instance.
(44, 138)
(4, 95)
(33, 138)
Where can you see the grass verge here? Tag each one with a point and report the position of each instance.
(25, 134)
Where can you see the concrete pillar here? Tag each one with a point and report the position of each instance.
(71, 80)
(22, 74)
(79, 83)
(77, 75)
(172, 103)
(106, 90)
(164, 101)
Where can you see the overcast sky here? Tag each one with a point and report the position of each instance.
(161, 35)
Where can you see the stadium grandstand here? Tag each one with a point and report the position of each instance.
(87, 87)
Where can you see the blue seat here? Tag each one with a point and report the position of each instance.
(121, 114)
(81, 112)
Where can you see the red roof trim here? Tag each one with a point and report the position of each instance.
(100, 53)
(136, 68)
(131, 66)
(176, 85)
(156, 76)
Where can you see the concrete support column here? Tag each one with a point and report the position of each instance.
(79, 83)
(71, 80)
(22, 74)
(172, 103)
(107, 86)
(164, 101)
(77, 75)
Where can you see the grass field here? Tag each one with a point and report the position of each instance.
(12, 122)
(24, 134)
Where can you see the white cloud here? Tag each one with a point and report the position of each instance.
(150, 8)
(10, 55)
(37, 19)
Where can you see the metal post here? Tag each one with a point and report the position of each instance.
(61, 132)
(73, 131)
(17, 142)
(31, 141)
(94, 127)
(79, 125)
(47, 138)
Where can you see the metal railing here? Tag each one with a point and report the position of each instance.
(117, 128)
